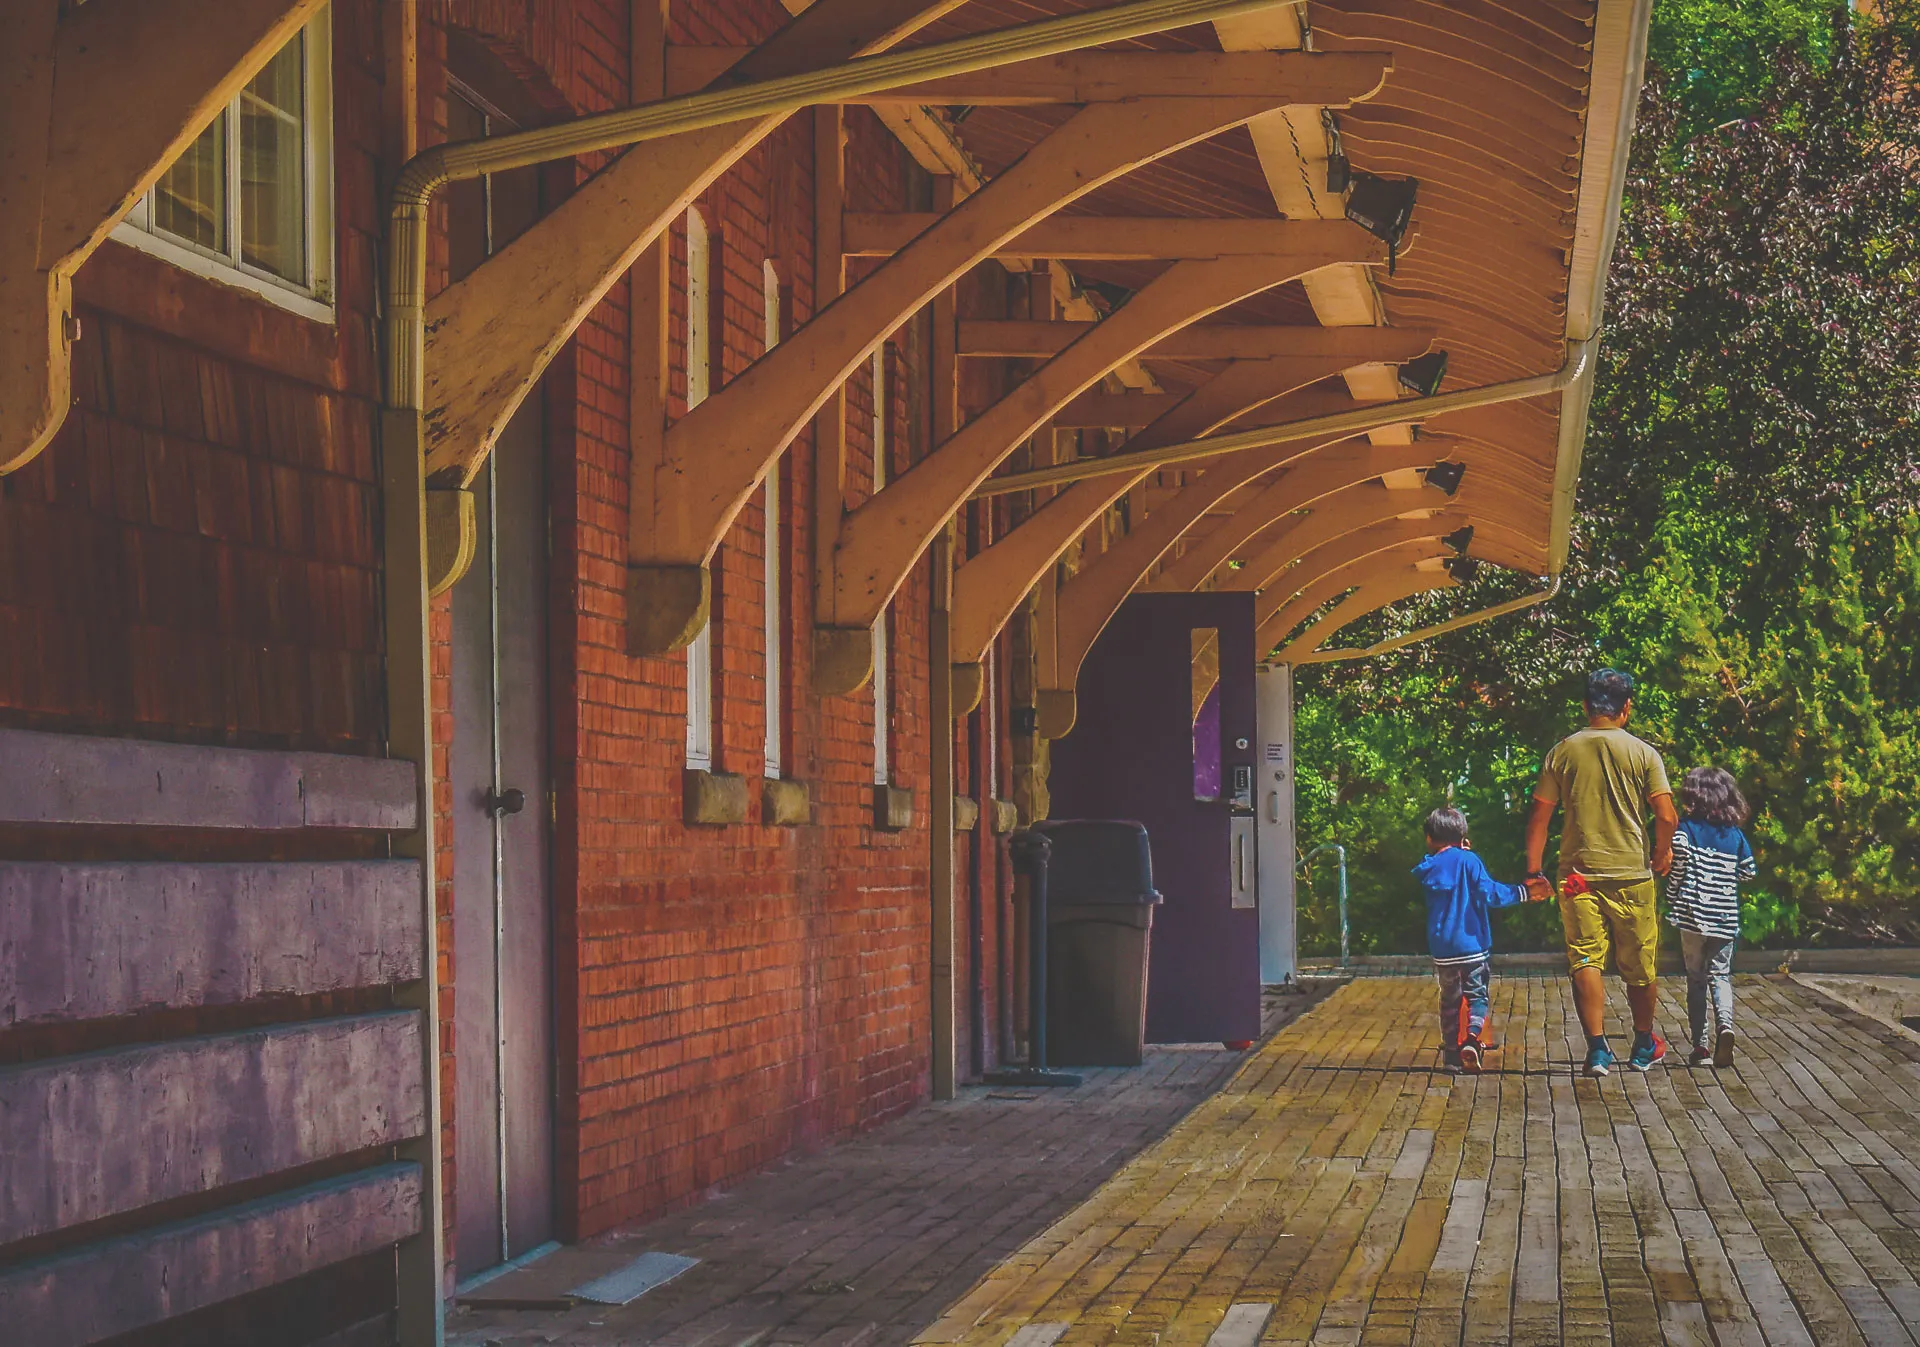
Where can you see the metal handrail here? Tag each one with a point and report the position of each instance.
(1340, 852)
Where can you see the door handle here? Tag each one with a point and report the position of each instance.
(1240, 863)
(510, 801)
(1273, 806)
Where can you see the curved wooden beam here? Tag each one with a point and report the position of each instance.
(714, 457)
(1348, 510)
(1284, 604)
(989, 586)
(1367, 566)
(1211, 341)
(491, 335)
(880, 540)
(1323, 79)
(96, 102)
(1369, 598)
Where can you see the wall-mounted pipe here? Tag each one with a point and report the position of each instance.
(1335, 425)
(432, 169)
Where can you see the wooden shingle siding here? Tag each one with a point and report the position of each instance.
(89, 1137)
(73, 778)
(86, 942)
(119, 1285)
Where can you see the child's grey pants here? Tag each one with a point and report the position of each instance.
(1709, 960)
(1462, 982)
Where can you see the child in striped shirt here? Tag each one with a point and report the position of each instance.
(1711, 859)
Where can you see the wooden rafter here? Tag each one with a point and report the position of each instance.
(1371, 597)
(1307, 78)
(491, 335)
(712, 459)
(1214, 341)
(1347, 511)
(990, 586)
(880, 540)
(1100, 238)
(1364, 563)
(96, 100)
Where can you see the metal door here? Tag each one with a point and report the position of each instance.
(1150, 743)
(502, 917)
(1273, 686)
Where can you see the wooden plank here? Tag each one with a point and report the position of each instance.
(119, 1285)
(87, 941)
(1031, 339)
(1109, 238)
(77, 778)
(1317, 79)
(86, 1137)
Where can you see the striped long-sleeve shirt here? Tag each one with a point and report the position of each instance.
(1710, 862)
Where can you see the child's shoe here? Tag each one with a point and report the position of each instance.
(1723, 1048)
(1700, 1056)
(1470, 1056)
(1647, 1051)
(1599, 1060)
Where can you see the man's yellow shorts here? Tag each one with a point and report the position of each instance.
(1613, 914)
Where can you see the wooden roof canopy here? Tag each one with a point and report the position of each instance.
(1513, 116)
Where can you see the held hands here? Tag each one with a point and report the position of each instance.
(1539, 888)
(1663, 858)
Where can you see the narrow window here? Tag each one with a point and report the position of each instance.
(882, 691)
(770, 298)
(249, 203)
(699, 384)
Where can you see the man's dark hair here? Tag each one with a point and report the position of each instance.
(1447, 826)
(1608, 691)
(1711, 793)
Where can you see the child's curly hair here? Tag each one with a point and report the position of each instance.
(1711, 793)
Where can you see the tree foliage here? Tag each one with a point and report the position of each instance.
(1747, 540)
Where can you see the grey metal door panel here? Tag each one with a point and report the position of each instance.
(527, 979)
(503, 1009)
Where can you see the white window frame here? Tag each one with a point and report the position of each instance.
(770, 542)
(314, 299)
(699, 385)
(882, 690)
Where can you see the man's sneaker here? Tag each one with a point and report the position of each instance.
(1599, 1059)
(1450, 1059)
(1723, 1048)
(1470, 1056)
(1647, 1053)
(1700, 1057)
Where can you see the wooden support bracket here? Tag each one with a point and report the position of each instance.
(1216, 341)
(1370, 598)
(714, 458)
(1350, 564)
(491, 335)
(990, 585)
(1343, 512)
(97, 100)
(1318, 79)
(1100, 238)
(880, 540)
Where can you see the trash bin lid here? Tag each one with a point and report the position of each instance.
(1098, 861)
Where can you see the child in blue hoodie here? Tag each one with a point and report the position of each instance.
(1460, 894)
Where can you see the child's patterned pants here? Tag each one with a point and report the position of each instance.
(1462, 982)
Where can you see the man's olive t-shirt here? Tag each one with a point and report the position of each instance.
(1603, 780)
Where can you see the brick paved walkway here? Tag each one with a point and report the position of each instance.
(867, 1241)
(1340, 1190)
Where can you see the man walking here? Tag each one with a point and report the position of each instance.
(1606, 780)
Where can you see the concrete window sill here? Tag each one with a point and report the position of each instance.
(892, 808)
(785, 803)
(713, 799)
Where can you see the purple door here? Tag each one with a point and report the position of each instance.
(1164, 734)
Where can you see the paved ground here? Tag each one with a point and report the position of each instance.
(866, 1242)
(1340, 1190)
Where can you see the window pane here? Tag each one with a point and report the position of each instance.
(190, 200)
(273, 170)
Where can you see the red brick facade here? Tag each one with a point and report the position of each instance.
(197, 557)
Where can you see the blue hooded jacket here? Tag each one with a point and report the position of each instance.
(1459, 894)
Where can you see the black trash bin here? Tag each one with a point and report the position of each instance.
(1100, 901)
